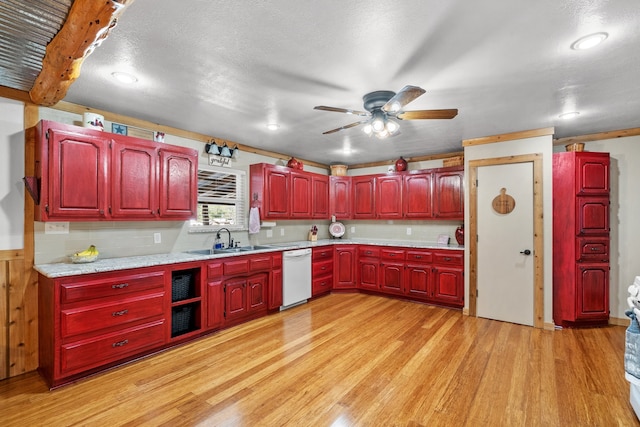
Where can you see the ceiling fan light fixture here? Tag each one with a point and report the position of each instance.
(382, 134)
(587, 42)
(392, 127)
(368, 129)
(394, 107)
(378, 122)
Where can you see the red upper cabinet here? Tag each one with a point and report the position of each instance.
(340, 197)
(178, 183)
(89, 175)
(388, 189)
(417, 195)
(320, 196)
(592, 174)
(134, 180)
(73, 170)
(300, 194)
(448, 193)
(364, 202)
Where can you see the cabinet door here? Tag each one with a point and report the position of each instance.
(592, 288)
(276, 193)
(389, 196)
(592, 173)
(215, 304)
(320, 196)
(340, 197)
(300, 195)
(275, 289)
(364, 206)
(235, 291)
(392, 277)
(592, 215)
(448, 286)
(448, 194)
(257, 292)
(344, 276)
(419, 281)
(178, 184)
(77, 182)
(134, 180)
(416, 196)
(368, 274)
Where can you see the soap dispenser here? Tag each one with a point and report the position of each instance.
(217, 244)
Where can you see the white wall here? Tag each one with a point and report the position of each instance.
(544, 146)
(12, 189)
(625, 216)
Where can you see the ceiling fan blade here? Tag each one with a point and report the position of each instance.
(428, 114)
(344, 127)
(402, 98)
(341, 110)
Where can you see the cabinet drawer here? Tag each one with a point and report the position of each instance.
(260, 263)
(86, 354)
(369, 252)
(320, 254)
(321, 285)
(592, 249)
(420, 256)
(101, 316)
(214, 270)
(107, 287)
(392, 254)
(453, 258)
(322, 268)
(236, 266)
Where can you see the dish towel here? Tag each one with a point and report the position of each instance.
(254, 220)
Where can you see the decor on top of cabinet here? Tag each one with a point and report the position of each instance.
(576, 146)
(460, 234)
(294, 163)
(93, 121)
(401, 164)
(338, 170)
(220, 150)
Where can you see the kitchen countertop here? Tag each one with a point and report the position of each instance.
(64, 269)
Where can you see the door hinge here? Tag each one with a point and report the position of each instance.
(47, 134)
(476, 183)
(477, 293)
(46, 208)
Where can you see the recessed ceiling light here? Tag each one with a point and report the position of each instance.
(273, 126)
(569, 115)
(587, 42)
(125, 78)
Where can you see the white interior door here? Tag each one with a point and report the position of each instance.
(505, 280)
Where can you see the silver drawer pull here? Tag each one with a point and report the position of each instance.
(120, 313)
(418, 256)
(120, 343)
(120, 286)
(447, 258)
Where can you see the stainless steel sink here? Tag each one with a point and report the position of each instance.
(229, 250)
(201, 252)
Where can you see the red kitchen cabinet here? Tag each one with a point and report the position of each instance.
(300, 195)
(368, 267)
(344, 276)
(340, 197)
(364, 202)
(275, 282)
(448, 193)
(320, 196)
(448, 286)
(322, 270)
(86, 175)
(417, 195)
(419, 274)
(235, 292)
(72, 166)
(215, 304)
(388, 201)
(392, 270)
(581, 239)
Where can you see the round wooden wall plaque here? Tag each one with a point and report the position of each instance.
(503, 203)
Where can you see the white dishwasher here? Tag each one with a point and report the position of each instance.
(296, 277)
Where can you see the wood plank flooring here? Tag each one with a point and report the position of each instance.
(351, 360)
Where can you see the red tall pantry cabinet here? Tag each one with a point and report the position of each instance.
(580, 239)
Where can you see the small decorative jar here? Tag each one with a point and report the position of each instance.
(401, 165)
(460, 235)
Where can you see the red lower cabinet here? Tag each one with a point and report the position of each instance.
(368, 267)
(345, 263)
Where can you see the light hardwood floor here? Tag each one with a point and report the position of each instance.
(351, 360)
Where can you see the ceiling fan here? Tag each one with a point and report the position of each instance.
(383, 106)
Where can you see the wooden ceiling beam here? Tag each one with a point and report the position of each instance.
(88, 24)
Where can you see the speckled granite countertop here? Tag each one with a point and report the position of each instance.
(114, 264)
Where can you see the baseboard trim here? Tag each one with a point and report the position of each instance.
(617, 321)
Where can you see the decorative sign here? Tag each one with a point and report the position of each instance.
(223, 162)
(503, 203)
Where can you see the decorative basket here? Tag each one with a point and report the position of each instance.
(338, 170)
(182, 320)
(576, 146)
(453, 161)
(77, 259)
(181, 287)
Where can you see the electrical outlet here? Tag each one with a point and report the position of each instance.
(157, 238)
(353, 229)
(269, 233)
(56, 228)
(408, 231)
(282, 231)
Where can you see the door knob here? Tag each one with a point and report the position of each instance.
(526, 252)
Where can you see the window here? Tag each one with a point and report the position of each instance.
(221, 200)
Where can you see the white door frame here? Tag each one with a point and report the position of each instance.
(538, 231)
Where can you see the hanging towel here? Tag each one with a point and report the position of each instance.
(254, 220)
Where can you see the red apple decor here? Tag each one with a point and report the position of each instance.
(294, 163)
(401, 165)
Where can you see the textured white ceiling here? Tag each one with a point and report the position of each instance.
(226, 69)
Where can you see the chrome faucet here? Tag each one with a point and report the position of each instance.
(228, 232)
